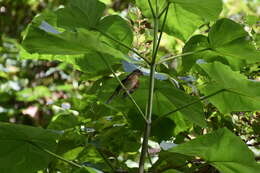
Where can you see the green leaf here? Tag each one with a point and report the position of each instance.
(87, 170)
(227, 42)
(167, 98)
(178, 98)
(209, 10)
(223, 150)
(80, 47)
(80, 14)
(241, 95)
(184, 17)
(181, 23)
(18, 152)
(119, 29)
(229, 39)
(63, 121)
(251, 19)
(76, 42)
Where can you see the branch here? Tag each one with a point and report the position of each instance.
(189, 104)
(124, 45)
(171, 57)
(122, 85)
(55, 155)
(106, 160)
(163, 24)
(151, 8)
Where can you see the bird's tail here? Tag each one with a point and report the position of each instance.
(115, 93)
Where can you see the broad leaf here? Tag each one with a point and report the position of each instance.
(80, 14)
(76, 42)
(209, 10)
(223, 150)
(18, 150)
(229, 39)
(228, 42)
(119, 29)
(184, 17)
(242, 94)
(167, 98)
(63, 121)
(77, 46)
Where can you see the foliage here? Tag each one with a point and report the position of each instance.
(197, 107)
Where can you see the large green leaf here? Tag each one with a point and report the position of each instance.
(77, 46)
(184, 17)
(209, 10)
(223, 150)
(18, 150)
(168, 98)
(80, 14)
(119, 29)
(228, 42)
(229, 39)
(79, 41)
(242, 94)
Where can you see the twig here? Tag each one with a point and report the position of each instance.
(55, 155)
(189, 104)
(124, 45)
(171, 57)
(106, 160)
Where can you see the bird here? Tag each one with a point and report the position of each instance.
(131, 83)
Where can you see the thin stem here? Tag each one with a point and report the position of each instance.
(163, 24)
(124, 45)
(106, 160)
(149, 158)
(55, 155)
(122, 85)
(180, 55)
(161, 13)
(189, 104)
(151, 8)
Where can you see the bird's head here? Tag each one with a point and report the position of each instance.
(137, 72)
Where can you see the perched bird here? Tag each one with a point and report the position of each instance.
(131, 83)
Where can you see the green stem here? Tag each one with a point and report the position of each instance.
(106, 160)
(124, 45)
(55, 155)
(149, 109)
(162, 12)
(189, 104)
(151, 8)
(181, 55)
(122, 85)
(148, 124)
(163, 24)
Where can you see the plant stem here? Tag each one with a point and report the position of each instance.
(55, 155)
(122, 85)
(106, 160)
(163, 24)
(149, 118)
(180, 55)
(156, 43)
(124, 45)
(151, 8)
(189, 104)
